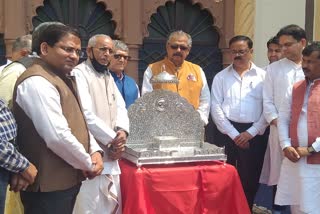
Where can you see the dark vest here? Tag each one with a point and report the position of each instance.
(53, 172)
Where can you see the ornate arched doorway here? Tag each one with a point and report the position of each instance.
(89, 17)
(199, 23)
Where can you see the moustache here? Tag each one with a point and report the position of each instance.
(177, 54)
(238, 58)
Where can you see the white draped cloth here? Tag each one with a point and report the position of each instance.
(101, 196)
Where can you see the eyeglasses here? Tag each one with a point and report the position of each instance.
(119, 56)
(104, 50)
(182, 47)
(240, 52)
(71, 50)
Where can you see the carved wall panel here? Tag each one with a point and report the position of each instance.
(317, 21)
(244, 17)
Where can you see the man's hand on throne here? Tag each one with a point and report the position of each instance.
(117, 146)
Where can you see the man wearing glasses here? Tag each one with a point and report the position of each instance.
(52, 131)
(192, 80)
(118, 62)
(107, 119)
(280, 77)
(236, 109)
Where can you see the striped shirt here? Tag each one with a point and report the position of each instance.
(10, 158)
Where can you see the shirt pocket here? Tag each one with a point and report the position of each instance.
(255, 89)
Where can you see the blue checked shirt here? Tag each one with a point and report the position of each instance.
(10, 158)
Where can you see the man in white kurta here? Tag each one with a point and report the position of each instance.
(299, 178)
(106, 116)
(280, 77)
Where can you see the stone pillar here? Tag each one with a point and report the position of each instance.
(14, 22)
(228, 30)
(244, 18)
(132, 14)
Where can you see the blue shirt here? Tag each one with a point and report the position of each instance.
(127, 87)
(10, 158)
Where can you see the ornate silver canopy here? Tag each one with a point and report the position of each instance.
(165, 128)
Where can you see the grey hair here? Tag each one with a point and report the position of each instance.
(180, 33)
(93, 40)
(37, 31)
(22, 42)
(120, 45)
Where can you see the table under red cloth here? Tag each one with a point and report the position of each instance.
(205, 187)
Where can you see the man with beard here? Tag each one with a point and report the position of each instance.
(107, 119)
(299, 134)
(192, 80)
(280, 77)
(236, 109)
(52, 131)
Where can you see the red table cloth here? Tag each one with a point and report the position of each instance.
(205, 187)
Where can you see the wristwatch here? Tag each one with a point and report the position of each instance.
(311, 149)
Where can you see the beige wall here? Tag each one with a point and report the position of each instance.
(271, 15)
(316, 30)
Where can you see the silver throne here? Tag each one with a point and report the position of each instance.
(165, 128)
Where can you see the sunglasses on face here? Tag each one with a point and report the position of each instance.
(182, 47)
(119, 56)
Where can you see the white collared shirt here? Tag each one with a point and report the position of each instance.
(40, 100)
(238, 99)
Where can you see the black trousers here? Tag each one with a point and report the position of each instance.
(248, 162)
(57, 202)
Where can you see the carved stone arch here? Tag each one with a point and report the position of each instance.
(90, 17)
(113, 7)
(193, 19)
(150, 7)
(32, 11)
(215, 7)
